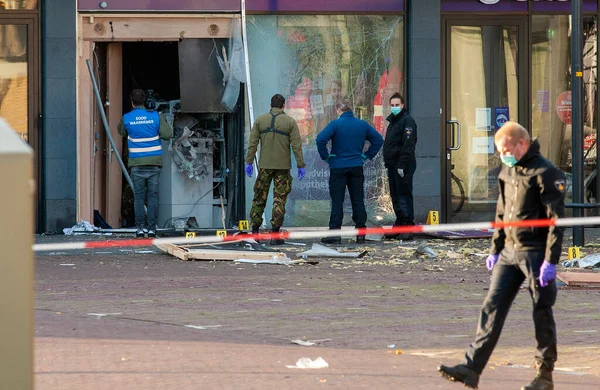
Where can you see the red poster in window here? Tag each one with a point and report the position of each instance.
(564, 107)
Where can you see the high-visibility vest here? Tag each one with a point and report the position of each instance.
(142, 129)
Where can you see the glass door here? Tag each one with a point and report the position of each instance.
(483, 88)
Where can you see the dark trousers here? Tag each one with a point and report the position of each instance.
(145, 183)
(507, 276)
(352, 178)
(401, 189)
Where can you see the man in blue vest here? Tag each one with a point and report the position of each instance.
(144, 129)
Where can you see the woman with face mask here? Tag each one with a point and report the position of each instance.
(400, 162)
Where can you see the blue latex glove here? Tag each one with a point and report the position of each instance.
(491, 261)
(363, 157)
(249, 170)
(301, 173)
(328, 157)
(547, 273)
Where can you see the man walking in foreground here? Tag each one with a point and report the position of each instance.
(144, 129)
(530, 188)
(346, 159)
(277, 132)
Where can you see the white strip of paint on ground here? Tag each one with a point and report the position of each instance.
(203, 327)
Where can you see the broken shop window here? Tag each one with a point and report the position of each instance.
(313, 61)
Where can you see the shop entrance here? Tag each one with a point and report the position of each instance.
(484, 85)
(181, 67)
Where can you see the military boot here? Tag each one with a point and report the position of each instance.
(543, 381)
(276, 238)
(460, 373)
(255, 232)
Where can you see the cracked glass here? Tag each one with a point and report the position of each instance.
(314, 61)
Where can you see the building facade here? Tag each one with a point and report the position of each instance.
(464, 66)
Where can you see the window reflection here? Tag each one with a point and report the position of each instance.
(551, 81)
(315, 60)
(13, 77)
(18, 4)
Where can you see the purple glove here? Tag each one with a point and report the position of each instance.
(301, 173)
(491, 261)
(249, 170)
(547, 273)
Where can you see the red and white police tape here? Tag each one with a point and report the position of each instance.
(563, 222)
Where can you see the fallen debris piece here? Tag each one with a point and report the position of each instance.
(188, 253)
(309, 363)
(308, 343)
(590, 261)
(280, 258)
(204, 327)
(580, 280)
(425, 250)
(462, 235)
(319, 250)
(100, 315)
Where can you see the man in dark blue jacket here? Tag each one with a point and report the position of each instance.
(346, 159)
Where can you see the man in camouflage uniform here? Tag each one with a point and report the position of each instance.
(277, 133)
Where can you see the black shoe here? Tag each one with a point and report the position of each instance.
(460, 373)
(360, 239)
(276, 238)
(405, 237)
(331, 240)
(152, 233)
(543, 381)
(140, 233)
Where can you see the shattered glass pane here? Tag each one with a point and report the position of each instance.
(313, 61)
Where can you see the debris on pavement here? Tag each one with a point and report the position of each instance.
(319, 250)
(83, 227)
(308, 343)
(203, 327)
(591, 261)
(425, 250)
(580, 280)
(309, 363)
(279, 259)
(100, 315)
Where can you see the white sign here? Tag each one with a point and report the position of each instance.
(482, 145)
(483, 119)
(316, 105)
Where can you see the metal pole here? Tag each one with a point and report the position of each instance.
(577, 115)
(248, 81)
(105, 122)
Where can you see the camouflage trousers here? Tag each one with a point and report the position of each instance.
(282, 186)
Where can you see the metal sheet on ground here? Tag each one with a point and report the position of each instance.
(461, 235)
(580, 280)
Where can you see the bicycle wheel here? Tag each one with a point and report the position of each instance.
(458, 194)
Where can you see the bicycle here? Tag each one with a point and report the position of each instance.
(457, 188)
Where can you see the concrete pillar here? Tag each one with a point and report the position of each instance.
(16, 261)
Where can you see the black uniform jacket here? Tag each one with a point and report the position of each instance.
(532, 189)
(400, 140)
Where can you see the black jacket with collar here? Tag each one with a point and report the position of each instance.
(400, 140)
(533, 189)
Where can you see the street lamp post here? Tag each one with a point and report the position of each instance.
(577, 115)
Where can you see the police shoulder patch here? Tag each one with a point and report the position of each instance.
(408, 130)
(560, 185)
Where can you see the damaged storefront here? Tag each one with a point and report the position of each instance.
(191, 68)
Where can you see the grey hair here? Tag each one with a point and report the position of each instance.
(344, 105)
